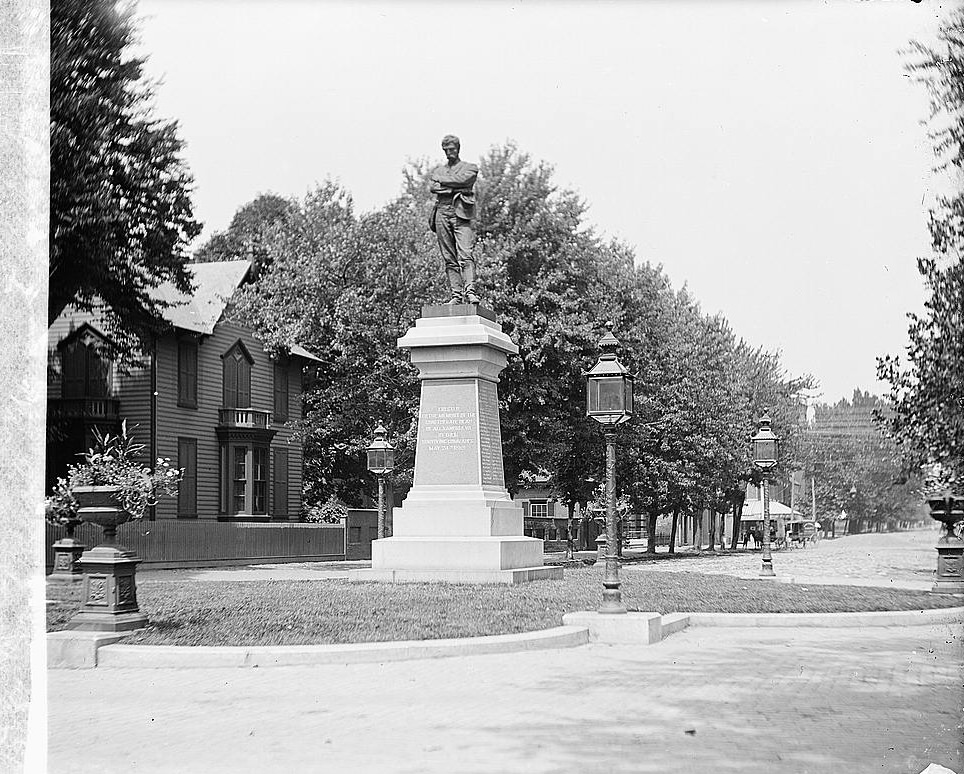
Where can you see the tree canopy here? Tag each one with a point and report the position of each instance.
(248, 231)
(120, 210)
(855, 468)
(927, 390)
(347, 286)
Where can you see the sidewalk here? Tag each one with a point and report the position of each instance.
(896, 560)
(798, 701)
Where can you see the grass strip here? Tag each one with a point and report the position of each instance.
(336, 611)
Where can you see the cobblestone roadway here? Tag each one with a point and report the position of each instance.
(779, 700)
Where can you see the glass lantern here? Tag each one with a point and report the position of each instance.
(381, 454)
(609, 386)
(765, 444)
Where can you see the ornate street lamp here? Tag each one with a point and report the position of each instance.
(765, 445)
(609, 400)
(381, 461)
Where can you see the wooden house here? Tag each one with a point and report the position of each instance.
(208, 396)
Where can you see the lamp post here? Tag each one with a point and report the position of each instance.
(381, 461)
(609, 401)
(765, 457)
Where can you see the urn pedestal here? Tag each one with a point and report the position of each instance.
(67, 552)
(949, 510)
(110, 590)
(458, 523)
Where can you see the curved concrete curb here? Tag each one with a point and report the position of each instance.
(204, 656)
(938, 615)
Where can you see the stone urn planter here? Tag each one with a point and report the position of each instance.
(948, 509)
(110, 591)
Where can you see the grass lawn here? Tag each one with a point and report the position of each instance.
(334, 611)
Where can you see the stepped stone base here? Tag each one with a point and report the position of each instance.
(458, 523)
(493, 577)
(472, 553)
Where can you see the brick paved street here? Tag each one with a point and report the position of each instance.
(777, 700)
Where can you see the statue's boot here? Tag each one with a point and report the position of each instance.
(468, 275)
(455, 282)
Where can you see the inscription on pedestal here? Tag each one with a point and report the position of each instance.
(447, 450)
(490, 435)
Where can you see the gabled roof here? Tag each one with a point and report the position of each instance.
(85, 332)
(215, 283)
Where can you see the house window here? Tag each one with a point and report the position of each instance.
(279, 505)
(539, 510)
(237, 377)
(244, 478)
(187, 490)
(187, 373)
(281, 391)
(239, 480)
(85, 371)
(259, 479)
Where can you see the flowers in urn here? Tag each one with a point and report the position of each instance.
(939, 482)
(113, 462)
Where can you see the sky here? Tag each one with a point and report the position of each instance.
(770, 156)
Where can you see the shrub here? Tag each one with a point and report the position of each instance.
(332, 512)
(112, 462)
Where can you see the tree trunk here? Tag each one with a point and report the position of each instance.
(569, 541)
(651, 526)
(737, 516)
(672, 532)
(712, 530)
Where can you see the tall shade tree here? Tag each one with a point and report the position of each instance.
(247, 234)
(854, 468)
(927, 391)
(120, 210)
(346, 288)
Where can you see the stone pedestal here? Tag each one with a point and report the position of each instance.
(458, 523)
(110, 593)
(950, 565)
(67, 553)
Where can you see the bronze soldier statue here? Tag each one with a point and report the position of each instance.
(452, 220)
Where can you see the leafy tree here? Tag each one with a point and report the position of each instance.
(927, 392)
(248, 232)
(120, 209)
(855, 468)
(346, 288)
(765, 386)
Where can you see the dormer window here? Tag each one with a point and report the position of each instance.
(86, 373)
(237, 364)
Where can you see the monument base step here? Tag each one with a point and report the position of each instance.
(469, 553)
(506, 577)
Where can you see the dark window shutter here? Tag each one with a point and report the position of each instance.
(281, 391)
(187, 490)
(96, 374)
(244, 384)
(75, 370)
(187, 373)
(280, 483)
(230, 381)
